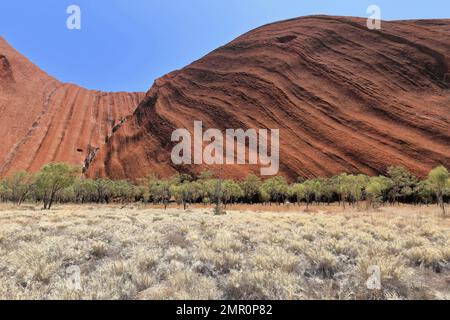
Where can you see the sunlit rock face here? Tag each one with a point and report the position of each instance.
(43, 120)
(345, 98)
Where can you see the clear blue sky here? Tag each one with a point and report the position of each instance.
(126, 44)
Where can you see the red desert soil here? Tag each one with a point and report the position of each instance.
(43, 120)
(345, 98)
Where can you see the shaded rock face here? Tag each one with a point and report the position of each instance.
(43, 120)
(6, 74)
(345, 98)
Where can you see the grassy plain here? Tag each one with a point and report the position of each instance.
(252, 252)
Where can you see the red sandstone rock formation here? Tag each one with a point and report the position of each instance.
(43, 120)
(346, 99)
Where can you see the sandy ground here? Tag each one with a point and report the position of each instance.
(252, 252)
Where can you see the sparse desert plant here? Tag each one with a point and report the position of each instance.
(324, 263)
(427, 257)
(183, 285)
(273, 257)
(261, 285)
(99, 249)
(438, 180)
(147, 260)
(176, 238)
(218, 210)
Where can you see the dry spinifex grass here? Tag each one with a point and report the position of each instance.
(143, 253)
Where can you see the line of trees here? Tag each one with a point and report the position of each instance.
(59, 182)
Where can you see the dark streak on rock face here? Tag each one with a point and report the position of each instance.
(286, 39)
(6, 73)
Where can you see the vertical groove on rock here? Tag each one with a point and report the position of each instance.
(43, 120)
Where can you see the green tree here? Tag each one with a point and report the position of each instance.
(85, 190)
(343, 187)
(328, 187)
(5, 193)
(438, 180)
(251, 188)
(123, 190)
(403, 183)
(373, 193)
(231, 192)
(309, 187)
(206, 190)
(357, 184)
(297, 191)
(66, 195)
(277, 189)
(104, 190)
(159, 191)
(20, 183)
(217, 194)
(151, 182)
(375, 190)
(264, 195)
(182, 193)
(424, 192)
(52, 178)
(318, 190)
(140, 193)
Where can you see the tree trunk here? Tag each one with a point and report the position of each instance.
(441, 203)
(51, 202)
